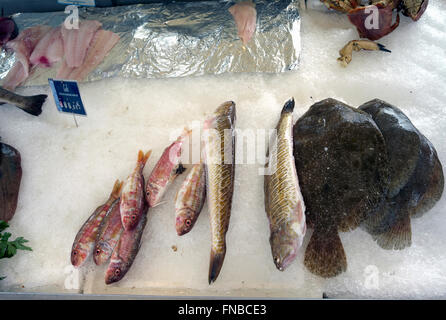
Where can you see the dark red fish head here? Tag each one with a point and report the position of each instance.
(184, 222)
(8, 30)
(284, 247)
(360, 17)
(79, 254)
(115, 272)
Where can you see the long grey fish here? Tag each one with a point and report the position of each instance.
(284, 204)
(31, 104)
(219, 157)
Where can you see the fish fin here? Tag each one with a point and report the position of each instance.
(159, 203)
(289, 106)
(180, 169)
(382, 47)
(215, 264)
(33, 104)
(142, 158)
(325, 254)
(116, 192)
(398, 237)
(186, 132)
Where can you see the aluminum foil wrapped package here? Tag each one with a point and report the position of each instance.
(182, 39)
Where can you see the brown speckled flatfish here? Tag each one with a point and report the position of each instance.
(219, 158)
(284, 204)
(416, 176)
(343, 170)
(10, 178)
(85, 239)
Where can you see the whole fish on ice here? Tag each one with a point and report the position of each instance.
(10, 178)
(190, 199)
(31, 104)
(166, 170)
(108, 236)
(126, 250)
(284, 203)
(85, 239)
(132, 197)
(219, 157)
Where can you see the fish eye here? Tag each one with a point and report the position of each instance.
(188, 222)
(98, 251)
(74, 252)
(133, 217)
(117, 272)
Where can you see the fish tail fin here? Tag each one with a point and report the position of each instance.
(289, 106)
(215, 264)
(325, 254)
(117, 187)
(398, 237)
(382, 47)
(143, 157)
(33, 104)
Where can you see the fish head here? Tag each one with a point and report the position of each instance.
(184, 221)
(115, 271)
(152, 194)
(101, 253)
(79, 254)
(284, 245)
(130, 221)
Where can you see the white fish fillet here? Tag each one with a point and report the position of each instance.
(23, 46)
(102, 43)
(49, 49)
(77, 41)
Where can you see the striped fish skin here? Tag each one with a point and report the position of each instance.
(84, 242)
(284, 203)
(108, 235)
(165, 171)
(132, 197)
(126, 250)
(220, 172)
(190, 199)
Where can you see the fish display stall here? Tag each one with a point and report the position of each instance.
(224, 152)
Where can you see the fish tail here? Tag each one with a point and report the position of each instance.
(288, 107)
(216, 262)
(116, 192)
(325, 254)
(142, 158)
(398, 237)
(33, 104)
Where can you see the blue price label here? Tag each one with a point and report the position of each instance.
(67, 97)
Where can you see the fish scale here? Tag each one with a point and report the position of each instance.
(284, 203)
